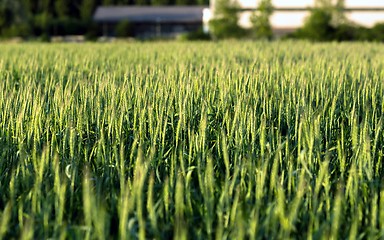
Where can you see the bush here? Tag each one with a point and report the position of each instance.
(363, 34)
(377, 32)
(45, 37)
(123, 29)
(22, 30)
(69, 26)
(317, 27)
(92, 32)
(222, 28)
(345, 32)
(193, 36)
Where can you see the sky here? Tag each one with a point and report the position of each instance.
(296, 19)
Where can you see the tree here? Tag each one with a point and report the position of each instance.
(107, 2)
(201, 2)
(6, 14)
(141, 2)
(323, 4)
(339, 17)
(184, 2)
(14, 19)
(260, 20)
(62, 8)
(86, 10)
(318, 26)
(326, 22)
(43, 19)
(225, 21)
(159, 2)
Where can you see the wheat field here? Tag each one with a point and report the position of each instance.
(205, 140)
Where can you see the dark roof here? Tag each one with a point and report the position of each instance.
(149, 14)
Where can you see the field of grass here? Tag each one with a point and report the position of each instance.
(226, 140)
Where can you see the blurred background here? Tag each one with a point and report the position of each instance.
(80, 20)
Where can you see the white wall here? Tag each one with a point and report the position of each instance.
(296, 19)
(309, 3)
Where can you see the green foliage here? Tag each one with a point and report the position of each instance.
(184, 2)
(62, 8)
(325, 4)
(239, 140)
(70, 26)
(224, 29)
(92, 32)
(323, 21)
(86, 9)
(123, 29)
(225, 22)
(22, 30)
(345, 32)
(43, 21)
(13, 19)
(159, 2)
(378, 32)
(195, 36)
(43, 25)
(317, 27)
(338, 16)
(327, 22)
(260, 20)
(142, 2)
(375, 34)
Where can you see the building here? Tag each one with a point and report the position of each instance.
(290, 15)
(150, 21)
